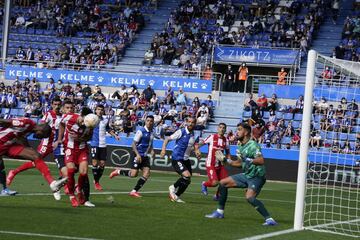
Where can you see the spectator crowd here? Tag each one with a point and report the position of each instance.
(196, 26)
(127, 107)
(111, 28)
(334, 128)
(349, 47)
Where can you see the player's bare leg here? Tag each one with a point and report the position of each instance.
(23, 167)
(30, 153)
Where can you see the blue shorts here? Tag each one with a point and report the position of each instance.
(255, 183)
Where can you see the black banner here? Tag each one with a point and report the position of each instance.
(279, 170)
(276, 169)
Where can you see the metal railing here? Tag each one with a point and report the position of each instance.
(255, 80)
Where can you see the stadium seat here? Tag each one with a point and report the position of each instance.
(246, 114)
(279, 115)
(285, 140)
(266, 115)
(352, 137)
(296, 124)
(288, 116)
(298, 117)
(331, 135)
(343, 136)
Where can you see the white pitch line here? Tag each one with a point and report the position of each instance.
(95, 193)
(269, 235)
(46, 235)
(150, 192)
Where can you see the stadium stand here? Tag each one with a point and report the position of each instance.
(193, 28)
(279, 125)
(86, 32)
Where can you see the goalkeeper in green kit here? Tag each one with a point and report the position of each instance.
(250, 158)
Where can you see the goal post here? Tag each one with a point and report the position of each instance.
(304, 141)
(328, 181)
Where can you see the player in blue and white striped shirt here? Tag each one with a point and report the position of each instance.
(184, 143)
(98, 145)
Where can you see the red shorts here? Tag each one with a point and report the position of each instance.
(12, 150)
(216, 173)
(76, 156)
(44, 150)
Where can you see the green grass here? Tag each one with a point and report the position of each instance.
(150, 217)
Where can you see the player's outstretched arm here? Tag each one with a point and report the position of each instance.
(163, 149)
(197, 150)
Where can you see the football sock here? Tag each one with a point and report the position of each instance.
(23, 167)
(223, 191)
(95, 171)
(259, 206)
(208, 184)
(217, 191)
(71, 181)
(3, 178)
(44, 169)
(184, 182)
(81, 180)
(100, 172)
(125, 173)
(140, 183)
(86, 188)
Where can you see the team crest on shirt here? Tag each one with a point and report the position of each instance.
(16, 123)
(68, 152)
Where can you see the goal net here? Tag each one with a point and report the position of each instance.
(329, 168)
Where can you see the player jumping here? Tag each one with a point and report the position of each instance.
(253, 177)
(45, 147)
(13, 143)
(75, 136)
(142, 146)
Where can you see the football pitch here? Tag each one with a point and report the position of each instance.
(34, 214)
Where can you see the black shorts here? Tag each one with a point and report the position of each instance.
(60, 161)
(98, 153)
(181, 166)
(145, 162)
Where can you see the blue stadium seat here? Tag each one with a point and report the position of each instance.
(288, 116)
(285, 140)
(296, 124)
(246, 114)
(331, 135)
(298, 117)
(323, 134)
(343, 136)
(279, 115)
(197, 134)
(352, 137)
(266, 114)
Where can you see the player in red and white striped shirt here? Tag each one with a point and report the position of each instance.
(13, 143)
(74, 135)
(215, 170)
(46, 145)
